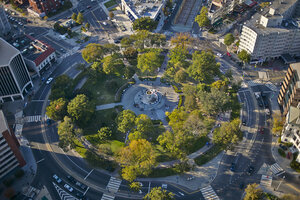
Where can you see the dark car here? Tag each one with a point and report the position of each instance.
(250, 170)
(79, 195)
(261, 130)
(71, 179)
(242, 186)
(283, 147)
(48, 121)
(232, 168)
(244, 122)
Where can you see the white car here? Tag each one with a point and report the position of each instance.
(164, 186)
(49, 80)
(220, 55)
(181, 193)
(68, 187)
(57, 179)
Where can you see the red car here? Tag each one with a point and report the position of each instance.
(228, 54)
(261, 130)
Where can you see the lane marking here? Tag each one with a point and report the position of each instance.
(88, 174)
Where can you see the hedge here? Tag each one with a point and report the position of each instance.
(281, 152)
(176, 89)
(180, 103)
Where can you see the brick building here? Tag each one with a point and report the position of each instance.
(42, 8)
(10, 156)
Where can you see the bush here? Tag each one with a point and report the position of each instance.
(180, 100)
(176, 89)
(279, 140)
(295, 165)
(281, 152)
(19, 173)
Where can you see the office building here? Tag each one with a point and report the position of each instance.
(14, 77)
(273, 33)
(43, 8)
(4, 24)
(10, 156)
(289, 94)
(136, 9)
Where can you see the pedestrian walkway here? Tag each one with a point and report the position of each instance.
(209, 193)
(107, 197)
(266, 181)
(63, 194)
(107, 106)
(276, 169)
(113, 184)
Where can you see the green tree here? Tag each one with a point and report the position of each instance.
(67, 133)
(126, 121)
(178, 54)
(204, 67)
(56, 26)
(57, 109)
(87, 26)
(135, 186)
(194, 124)
(180, 76)
(144, 124)
(74, 16)
(253, 192)
(113, 64)
(138, 158)
(181, 40)
(244, 56)
(213, 102)
(157, 193)
(157, 39)
(229, 133)
(111, 48)
(126, 42)
(93, 52)
(140, 38)
(81, 109)
(228, 39)
(176, 118)
(144, 23)
(202, 18)
(148, 62)
(111, 14)
(130, 53)
(277, 124)
(96, 66)
(104, 133)
(61, 88)
(135, 136)
(79, 18)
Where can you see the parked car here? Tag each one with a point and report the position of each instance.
(232, 168)
(71, 179)
(49, 80)
(283, 147)
(79, 195)
(69, 188)
(57, 179)
(82, 186)
(261, 130)
(164, 186)
(244, 122)
(250, 170)
(219, 55)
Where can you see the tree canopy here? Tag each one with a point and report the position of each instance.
(181, 40)
(126, 121)
(148, 62)
(57, 109)
(244, 56)
(93, 52)
(61, 87)
(228, 39)
(137, 158)
(202, 18)
(157, 193)
(79, 18)
(113, 64)
(144, 23)
(204, 67)
(253, 192)
(81, 109)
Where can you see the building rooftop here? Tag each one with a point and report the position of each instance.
(281, 6)
(145, 8)
(3, 123)
(6, 52)
(254, 24)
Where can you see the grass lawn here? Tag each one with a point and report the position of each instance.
(163, 172)
(235, 106)
(103, 88)
(162, 155)
(209, 155)
(110, 3)
(197, 144)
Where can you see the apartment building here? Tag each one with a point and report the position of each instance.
(14, 77)
(273, 33)
(289, 94)
(291, 130)
(42, 8)
(10, 156)
(4, 24)
(136, 9)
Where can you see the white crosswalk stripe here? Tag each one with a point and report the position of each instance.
(113, 184)
(253, 82)
(271, 86)
(107, 197)
(63, 194)
(266, 181)
(35, 118)
(276, 169)
(209, 193)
